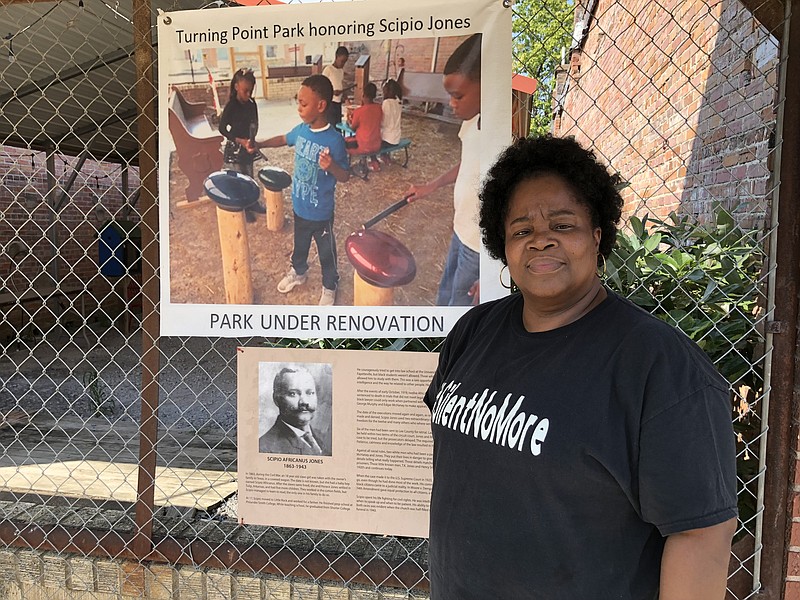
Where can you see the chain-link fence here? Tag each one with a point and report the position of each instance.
(678, 97)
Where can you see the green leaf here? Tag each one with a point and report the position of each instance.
(652, 242)
(637, 226)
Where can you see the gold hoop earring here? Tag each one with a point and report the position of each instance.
(602, 270)
(510, 281)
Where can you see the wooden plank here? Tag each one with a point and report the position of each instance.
(91, 459)
(100, 480)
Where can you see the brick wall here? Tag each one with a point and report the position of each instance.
(29, 575)
(283, 88)
(67, 240)
(201, 92)
(416, 52)
(678, 97)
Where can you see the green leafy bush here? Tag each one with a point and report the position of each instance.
(703, 279)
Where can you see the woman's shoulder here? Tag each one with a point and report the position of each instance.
(644, 339)
(630, 319)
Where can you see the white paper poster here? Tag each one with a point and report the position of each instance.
(335, 439)
(224, 272)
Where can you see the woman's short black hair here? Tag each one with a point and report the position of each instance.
(591, 182)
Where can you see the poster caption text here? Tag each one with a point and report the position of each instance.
(311, 322)
(396, 26)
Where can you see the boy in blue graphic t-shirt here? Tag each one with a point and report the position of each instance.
(320, 160)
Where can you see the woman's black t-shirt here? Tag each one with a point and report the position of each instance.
(562, 459)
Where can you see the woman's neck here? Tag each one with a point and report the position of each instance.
(537, 319)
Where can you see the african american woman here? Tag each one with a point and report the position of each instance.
(582, 447)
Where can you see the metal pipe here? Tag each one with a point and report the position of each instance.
(52, 234)
(146, 91)
(769, 336)
(70, 182)
(782, 407)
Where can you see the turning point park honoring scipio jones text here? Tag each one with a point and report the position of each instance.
(395, 26)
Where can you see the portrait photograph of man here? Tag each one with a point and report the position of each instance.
(295, 408)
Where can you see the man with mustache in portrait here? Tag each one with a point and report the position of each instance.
(294, 392)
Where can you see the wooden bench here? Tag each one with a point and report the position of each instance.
(360, 168)
(198, 145)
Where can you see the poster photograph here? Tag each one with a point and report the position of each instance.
(335, 439)
(294, 408)
(259, 234)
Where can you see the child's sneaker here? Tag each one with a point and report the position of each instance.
(374, 165)
(328, 297)
(291, 281)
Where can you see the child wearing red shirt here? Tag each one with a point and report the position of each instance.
(366, 121)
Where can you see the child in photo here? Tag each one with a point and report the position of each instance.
(460, 283)
(392, 108)
(366, 122)
(320, 160)
(335, 73)
(239, 125)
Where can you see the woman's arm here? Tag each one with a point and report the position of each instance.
(695, 563)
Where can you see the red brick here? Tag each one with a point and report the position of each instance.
(793, 568)
(792, 590)
(795, 505)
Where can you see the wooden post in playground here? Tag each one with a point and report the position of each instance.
(274, 180)
(235, 248)
(366, 294)
(316, 64)
(274, 203)
(362, 78)
(233, 193)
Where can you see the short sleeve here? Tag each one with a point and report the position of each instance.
(687, 463)
(453, 344)
(291, 137)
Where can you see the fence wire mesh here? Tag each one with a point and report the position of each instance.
(679, 98)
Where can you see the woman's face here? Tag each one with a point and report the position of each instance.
(551, 245)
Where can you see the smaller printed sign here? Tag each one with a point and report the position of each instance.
(335, 439)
